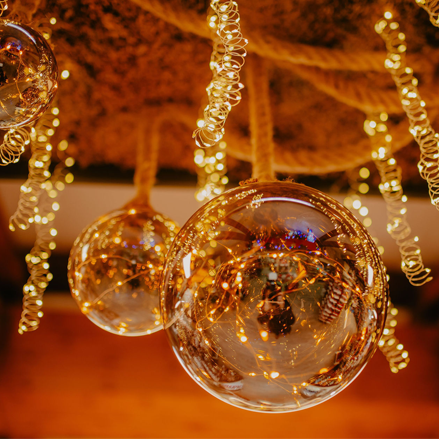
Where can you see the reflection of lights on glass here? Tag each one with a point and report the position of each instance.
(265, 287)
(187, 265)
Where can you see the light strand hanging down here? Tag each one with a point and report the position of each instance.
(37, 205)
(224, 91)
(211, 166)
(390, 346)
(15, 140)
(412, 103)
(432, 7)
(39, 165)
(14, 144)
(392, 192)
(40, 209)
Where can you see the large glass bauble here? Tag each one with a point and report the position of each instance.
(115, 267)
(28, 74)
(274, 297)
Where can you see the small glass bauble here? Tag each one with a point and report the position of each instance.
(28, 75)
(274, 297)
(115, 267)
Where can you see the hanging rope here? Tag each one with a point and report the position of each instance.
(268, 46)
(147, 155)
(261, 124)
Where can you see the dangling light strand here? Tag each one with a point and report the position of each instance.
(224, 91)
(211, 170)
(3, 6)
(14, 144)
(392, 192)
(412, 103)
(432, 7)
(390, 346)
(38, 205)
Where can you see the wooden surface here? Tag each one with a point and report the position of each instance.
(71, 379)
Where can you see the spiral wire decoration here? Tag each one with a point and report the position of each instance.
(39, 172)
(432, 7)
(40, 275)
(3, 6)
(14, 144)
(412, 103)
(390, 346)
(228, 57)
(211, 171)
(392, 192)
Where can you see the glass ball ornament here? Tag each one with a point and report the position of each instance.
(28, 75)
(115, 266)
(274, 297)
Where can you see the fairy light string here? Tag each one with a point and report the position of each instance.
(412, 103)
(391, 189)
(224, 91)
(397, 357)
(432, 8)
(38, 205)
(211, 165)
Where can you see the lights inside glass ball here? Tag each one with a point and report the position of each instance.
(274, 297)
(115, 267)
(28, 75)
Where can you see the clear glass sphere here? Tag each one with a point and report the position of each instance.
(274, 297)
(115, 267)
(28, 74)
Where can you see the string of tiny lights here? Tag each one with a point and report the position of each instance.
(3, 6)
(224, 91)
(390, 346)
(15, 140)
(392, 192)
(412, 103)
(43, 217)
(39, 165)
(37, 205)
(211, 166)
(432, 7)
(14, 144)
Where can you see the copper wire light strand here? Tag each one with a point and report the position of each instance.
(432, 7)
(224, 91)
(412, 103)
(391, 189)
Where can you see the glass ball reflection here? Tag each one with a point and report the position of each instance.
(28, 75)
(115, 267)
(274, 297)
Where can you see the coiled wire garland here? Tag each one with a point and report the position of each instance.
(39, 164)
(392, 192)
(40, 275)
(432, 7)
(14, 144)
(412, 103)
(224, 91)
(390, 346)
